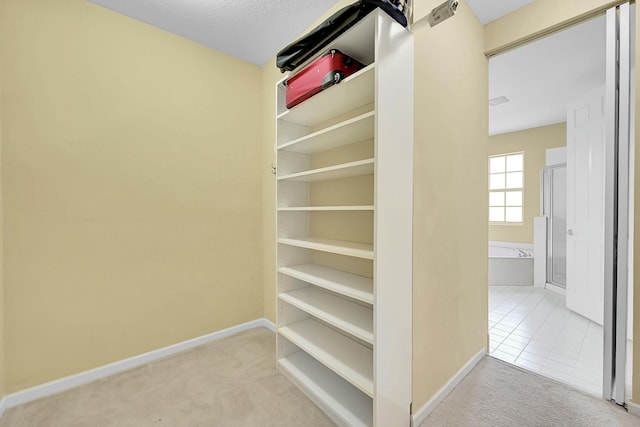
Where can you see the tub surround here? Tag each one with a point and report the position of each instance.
(510, 264)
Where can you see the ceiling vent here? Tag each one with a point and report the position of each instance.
(497, 101)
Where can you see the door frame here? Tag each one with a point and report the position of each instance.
(617, 207)
(502, 39)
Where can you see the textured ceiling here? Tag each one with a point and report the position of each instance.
(490, 10)
(539, 79)
(252, 30)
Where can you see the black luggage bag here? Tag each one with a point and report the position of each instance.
(304, 48)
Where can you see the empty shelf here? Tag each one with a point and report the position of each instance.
(345, 170)
(353, 92)
(328, 390)
(347, 316)
(345, 133)
(354, 249)
(326, 208)
(350, 285)
(347, 358)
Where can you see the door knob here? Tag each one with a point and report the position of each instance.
(570, 232)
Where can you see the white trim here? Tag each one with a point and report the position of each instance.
(516, 245)
(633, 408)
(419, 416)
(3, 405)
(555, 288)
(75, 380)
(266, 323)
(556, 156)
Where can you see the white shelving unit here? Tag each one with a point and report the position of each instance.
(350, 285)
(354, 249)
(345, 170)
(344, 271)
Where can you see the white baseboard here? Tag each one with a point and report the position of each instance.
(633, 408)
(266, 323)
(422, 413)
(75, 380)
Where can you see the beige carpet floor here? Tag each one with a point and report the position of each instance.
(233, 383)
(228, 383)
(498, 394)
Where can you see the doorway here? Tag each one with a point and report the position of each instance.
(533, 326)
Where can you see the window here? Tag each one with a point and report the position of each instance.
(506, 182)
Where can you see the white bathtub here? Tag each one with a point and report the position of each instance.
(510, 264)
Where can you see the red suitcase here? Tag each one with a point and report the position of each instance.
(327, 70)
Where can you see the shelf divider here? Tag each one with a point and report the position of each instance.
(344, 170)
(350, 285)
(340, 247)
(349, 317)
(326, 208)
(355, 91)
(347, 358)
(344, 403)
(348, 132)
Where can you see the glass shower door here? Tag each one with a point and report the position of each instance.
(555, 208)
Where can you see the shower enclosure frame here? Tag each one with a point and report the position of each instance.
(547, 209)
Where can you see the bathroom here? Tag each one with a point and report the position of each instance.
(538, 194)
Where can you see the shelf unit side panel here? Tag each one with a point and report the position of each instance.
(290, 315)
(288, 283)
(393, 266)
(291, 163)
(291, 255)
(293, 224)
(292, 194)
(343, 403)
(288, 131)
(285, 348)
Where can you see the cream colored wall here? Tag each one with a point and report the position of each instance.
(534, 143)
(132, 188)
(543, 16)
(450, 200)
(2, 349)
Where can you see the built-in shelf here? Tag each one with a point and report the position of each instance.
(349, 405)
(340, 247)
(353, 286)
(331, 324)
(358, 42)
(352, 318)
(357, 129)
(355, 91)
(344, 356)
(325, 208)
(344, 170)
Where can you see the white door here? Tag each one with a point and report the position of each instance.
(585, 205)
